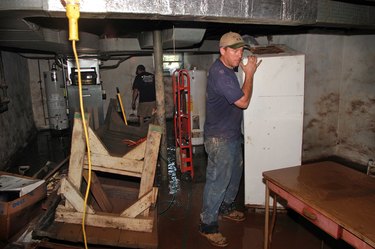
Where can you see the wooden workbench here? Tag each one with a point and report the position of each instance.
(337, 199)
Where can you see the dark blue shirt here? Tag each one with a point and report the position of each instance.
(223, 117)
(145, 83)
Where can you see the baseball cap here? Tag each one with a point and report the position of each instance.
(232, 40)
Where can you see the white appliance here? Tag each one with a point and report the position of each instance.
(273, 122)
(198, 84)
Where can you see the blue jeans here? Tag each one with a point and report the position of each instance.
(223, 176)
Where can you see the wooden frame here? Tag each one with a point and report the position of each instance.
(139, 162)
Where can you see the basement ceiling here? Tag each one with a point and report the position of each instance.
(40, 26)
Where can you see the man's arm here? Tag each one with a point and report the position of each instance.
(134, 97)
(247, 87)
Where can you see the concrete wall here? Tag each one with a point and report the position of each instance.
(16, 124)
(339, 108)
(123, 77)
(356, 120)
(38, 91)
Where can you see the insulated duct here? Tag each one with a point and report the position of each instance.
(173, 38)
(337, 13)
(15, 31)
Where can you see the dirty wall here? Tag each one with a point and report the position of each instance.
(17, 123)
(356, 122)
(339, 108)
(37, 67)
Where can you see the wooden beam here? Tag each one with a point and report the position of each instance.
(142, 204)
(98, 192)
(73, 196)
(137, 153)
(77, 152)
(106, 163)
(105, 220)
(149, 163)
(96, 144)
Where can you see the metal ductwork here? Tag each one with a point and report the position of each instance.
(275, 12)
(173, 38)
(19, 33)
(16, 30)
(338, 13)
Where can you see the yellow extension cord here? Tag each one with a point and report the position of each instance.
(72, 12)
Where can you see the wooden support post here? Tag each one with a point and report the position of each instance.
(160, 105)
(98, 192)
(142, 204)
(73, 196)
(77, 152)
(150, 161)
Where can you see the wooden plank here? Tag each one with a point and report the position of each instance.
(149, 165)
(137, 153)
(114, 171)
(98, 192)
(150, 161)
(106, 220)
(77, 152)
(73, 196)
(96, 145)
(106, 163)
(142, 204)
(102, 236)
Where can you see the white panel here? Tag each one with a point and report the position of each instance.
(273, 122)
(198, 84)
(273, 139)
(279, 76)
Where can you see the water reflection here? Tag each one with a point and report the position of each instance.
(174, 182)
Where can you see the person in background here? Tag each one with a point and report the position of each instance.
(225, 101)
(144, 87)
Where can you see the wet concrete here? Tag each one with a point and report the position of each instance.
(179, 207)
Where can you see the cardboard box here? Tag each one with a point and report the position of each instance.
(17, 204)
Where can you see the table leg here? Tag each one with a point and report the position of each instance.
(266, 214)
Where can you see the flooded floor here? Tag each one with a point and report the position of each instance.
(179, 205)
(179, 208)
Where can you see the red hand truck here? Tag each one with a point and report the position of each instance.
(182, 122)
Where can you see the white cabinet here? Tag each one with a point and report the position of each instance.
(273, 122)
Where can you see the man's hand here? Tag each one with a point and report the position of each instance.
(251, 65)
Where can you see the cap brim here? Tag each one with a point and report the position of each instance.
(239, 45)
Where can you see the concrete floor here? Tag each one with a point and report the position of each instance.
(179, 206)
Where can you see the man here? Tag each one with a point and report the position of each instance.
(144, 87)
(225, 100)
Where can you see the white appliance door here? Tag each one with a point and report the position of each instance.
(273, 122)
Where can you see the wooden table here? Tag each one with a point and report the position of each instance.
(337, 199)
